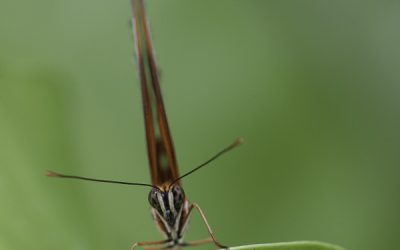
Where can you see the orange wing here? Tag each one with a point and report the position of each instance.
(161, 153)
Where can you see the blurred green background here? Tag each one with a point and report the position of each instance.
(312, 86)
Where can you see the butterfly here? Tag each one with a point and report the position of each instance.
(170, 207)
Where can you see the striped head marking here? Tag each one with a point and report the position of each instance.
(168, 203)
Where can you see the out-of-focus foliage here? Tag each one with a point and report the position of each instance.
(312, 86)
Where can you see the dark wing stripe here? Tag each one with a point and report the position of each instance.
(150, 136)
(162, 118)
(163, 166)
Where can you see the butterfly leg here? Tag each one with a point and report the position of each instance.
(148, 243)
(210, 232)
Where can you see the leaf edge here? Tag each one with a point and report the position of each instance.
(323, 245)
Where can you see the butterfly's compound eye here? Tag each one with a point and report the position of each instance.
(179, 196)
(153, 198)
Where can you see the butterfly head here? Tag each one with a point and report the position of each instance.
(168, 202)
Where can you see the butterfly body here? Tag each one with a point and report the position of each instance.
(170, 207)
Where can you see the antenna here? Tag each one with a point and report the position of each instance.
(236, 143)
(54, 174)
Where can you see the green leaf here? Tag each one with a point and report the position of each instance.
(298, 245)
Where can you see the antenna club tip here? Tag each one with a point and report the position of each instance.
(238, 141)
(51, 174)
